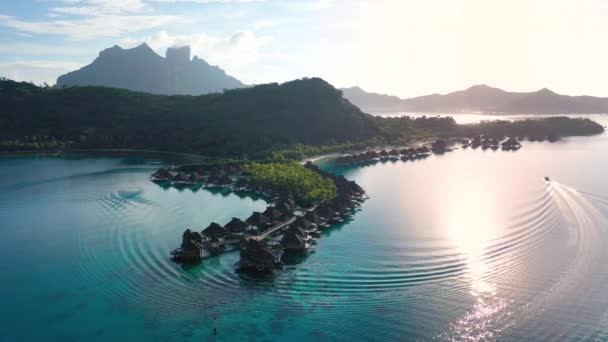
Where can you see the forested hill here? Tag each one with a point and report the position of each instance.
(241, 121)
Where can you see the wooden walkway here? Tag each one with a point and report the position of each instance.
(264, 234)
(259, 237)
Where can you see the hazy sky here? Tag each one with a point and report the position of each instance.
(400, 47)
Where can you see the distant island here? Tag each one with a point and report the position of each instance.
(141, 69)
(480, 98)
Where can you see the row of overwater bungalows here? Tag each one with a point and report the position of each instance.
(259, 254)
(371, 156)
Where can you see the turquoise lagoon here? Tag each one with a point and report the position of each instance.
(472, 245)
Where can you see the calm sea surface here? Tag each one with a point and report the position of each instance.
(472, 245)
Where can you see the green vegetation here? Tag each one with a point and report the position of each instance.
(405, 128)
(269, 122)
(551, 127)
(308, 186)
(252, 121)
(34, 143)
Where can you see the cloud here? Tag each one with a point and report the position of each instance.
(42, 49)
(209, 1)
(232, 53)
(100, 7)
(258, 24)
(310, 5)
(93, 27)
(91, 19)
(36, 71)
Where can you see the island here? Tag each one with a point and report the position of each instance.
(253, 140)
(304, 200)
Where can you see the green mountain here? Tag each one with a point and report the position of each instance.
(240, 121)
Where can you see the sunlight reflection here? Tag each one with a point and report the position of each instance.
(470, 222)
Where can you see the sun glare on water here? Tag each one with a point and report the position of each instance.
(471, 224)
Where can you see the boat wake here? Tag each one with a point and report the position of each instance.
(568, 303)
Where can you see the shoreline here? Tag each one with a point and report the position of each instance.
(414, 143)
(103, 150)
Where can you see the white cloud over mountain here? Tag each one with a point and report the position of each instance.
(231, 52)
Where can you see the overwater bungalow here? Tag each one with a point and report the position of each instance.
(258, 256)
(258, 220)
(383, 153)
(224, 180)
(476, 142)
(302, 222)
(212, 181)
(191, 249)
(162, 175)
(293, 242)
(181, 178)
(439, 146)
(341, 208)
(284, 207)
(236, 226)
(288, 199)
(215, 231)
(510, 144)
(273, 213)
(324, 212)
(330, 214)
(312, 217)
(242, 184)
(372, 155)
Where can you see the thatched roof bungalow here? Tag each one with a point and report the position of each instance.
(259, 256)
(214, 230)
(292, 241)
(312, 216)
(439, 146)
(162, 174)
(273, 213)
(304, 223)
(258, 219)
(236, 225)
(284, 207)
(190, 249)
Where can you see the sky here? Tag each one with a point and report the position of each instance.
(399, 47)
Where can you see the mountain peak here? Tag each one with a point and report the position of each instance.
(356, 89)
(479, 86)
(483, 88)
(546, 91)
(178, 54)
(144, 47)
(141, 69)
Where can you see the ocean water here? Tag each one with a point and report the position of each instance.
(472, 245)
